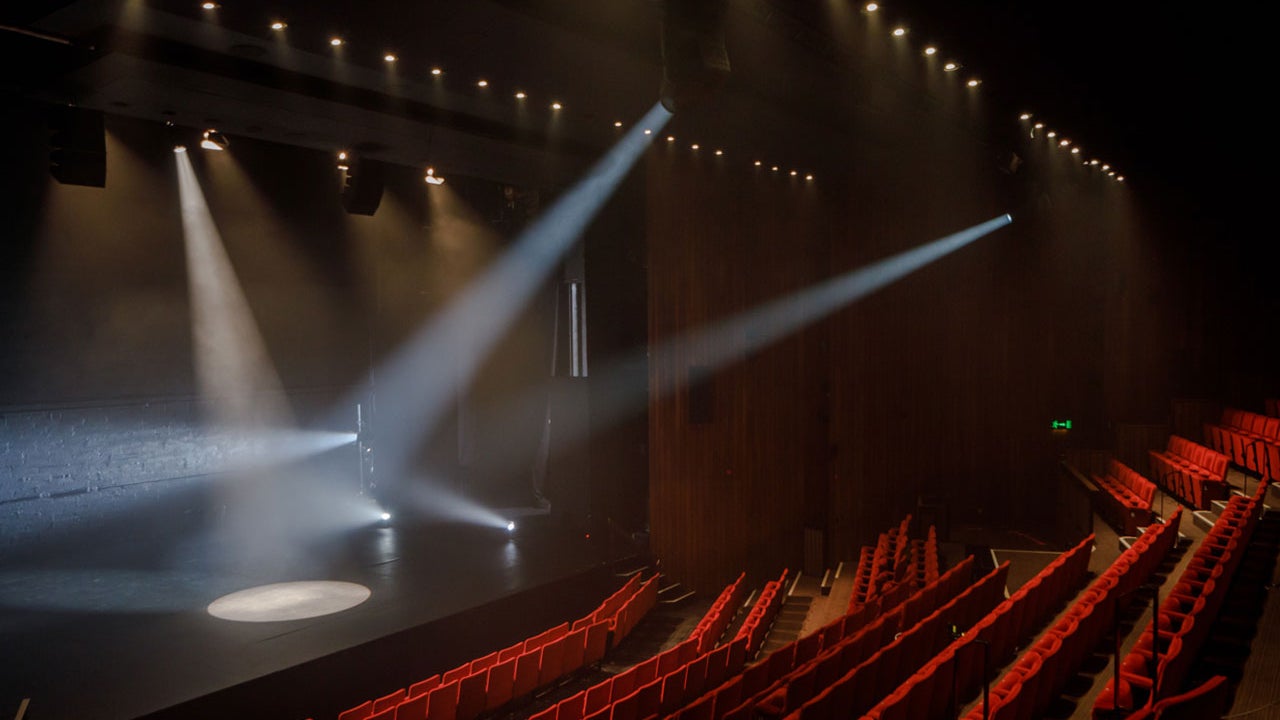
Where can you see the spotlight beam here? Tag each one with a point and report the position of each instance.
(418, 383)
(625, 387)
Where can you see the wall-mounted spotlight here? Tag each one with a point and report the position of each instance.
(214, 140)
(432, 178)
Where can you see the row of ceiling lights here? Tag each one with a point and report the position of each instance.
(952, 66)
(1065, 143)
(279, 25)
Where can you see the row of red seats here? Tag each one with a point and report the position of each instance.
(925, 567)
(861, 685)
(956, 672)
(762, 613)
(883, 566)
(868, 629)
(491, 681)
(655, 687)
(1252, 441)
(713, 624)
(1211, 699)
(633, 610)
(1191, 471)
(1038, 676)
(1187, 614)
(793, 675)
(1125, 498)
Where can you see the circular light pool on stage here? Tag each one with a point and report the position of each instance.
(289, 601)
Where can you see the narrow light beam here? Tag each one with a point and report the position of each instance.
(418, 383)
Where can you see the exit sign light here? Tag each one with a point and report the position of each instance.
(1059, 424)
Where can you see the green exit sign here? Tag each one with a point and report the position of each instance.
(1059, 424)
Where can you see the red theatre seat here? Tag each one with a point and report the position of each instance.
(359, 712)
(500, 688)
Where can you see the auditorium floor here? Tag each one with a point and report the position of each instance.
(113, 625)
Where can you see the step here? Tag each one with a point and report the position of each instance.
(1204, 519)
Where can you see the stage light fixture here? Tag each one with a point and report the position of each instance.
(432, 178)
(1024, 116)
(209, 6)
(871, 7)
(951, 67)
(757, 163)
(693, 146)
(647, 131)
(482, 83)
(437, 71)
(335, 41)
(617, 123)
(809, 177)
(931, 51)
(773, 169)
(1075, 151)
(1039, 126)
(511, 526)
(719, 153)
(385, 517)
(556, 105)
(974, 82)
(671, 138)
(520, 95)
(899, 31)
(214, 140)
(794, 173)
(1119, 178)
(1106, 168)
(279, 25)
(1052, 134)
(179, 148)
(1064, 142)
(390, 57)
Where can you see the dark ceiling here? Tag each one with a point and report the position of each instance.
(1156, 88)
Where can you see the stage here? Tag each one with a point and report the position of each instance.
(109, 620)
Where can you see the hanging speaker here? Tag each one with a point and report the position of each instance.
(77, 147)
(362, 186)
(695, 61)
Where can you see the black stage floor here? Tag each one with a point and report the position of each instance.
(109, 621)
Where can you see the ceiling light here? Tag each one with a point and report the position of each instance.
(951, 67)
(693, 146)
(279, 25)
(335, 41)
(757, 163)
(482, 83)
(209, 6)
(511, 526)
(1119, 178)
(520, 95)
(1075, 151)
(390, 57)
(1064, 142)
(1052, 134)
(1024, 116)
(671, 138)
(214, 140)
(931, 51)
(556, 105)
(342, 155)
(899, 31)
(773, 169)
(617, 123)
(647, 131)
(432, 178)
(809, 177)
(436, 71)
(974, 82)
(1093, 162)
(794, 173)
(872, 7)
(719, 153)
(179, 148)
(1039, 126)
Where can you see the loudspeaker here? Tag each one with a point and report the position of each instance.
(362, 186)
(695, 61)
(77, 146)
